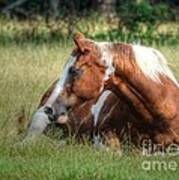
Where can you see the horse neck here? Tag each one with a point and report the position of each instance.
(160, 96)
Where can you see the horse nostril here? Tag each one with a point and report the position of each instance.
(48, 110)
(63, 113)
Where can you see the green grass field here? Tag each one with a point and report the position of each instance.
(25, 73)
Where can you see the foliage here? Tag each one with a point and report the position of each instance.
(132, 14)
(40, 32)
(142, 20)
(134, 21)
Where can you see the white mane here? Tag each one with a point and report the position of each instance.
(152, 63)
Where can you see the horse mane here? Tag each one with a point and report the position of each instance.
(151, 62)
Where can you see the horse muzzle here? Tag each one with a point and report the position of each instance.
(58, 115)
(40, 121)
(45, 115)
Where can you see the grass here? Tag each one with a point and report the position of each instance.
(26, 71)
(95, 26)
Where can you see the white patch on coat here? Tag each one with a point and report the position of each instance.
(60, 84)
(39, 122)
(152, 63)
(96, 108)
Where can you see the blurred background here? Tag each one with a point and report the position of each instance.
(138, 21)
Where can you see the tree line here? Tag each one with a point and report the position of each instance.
(61, 8)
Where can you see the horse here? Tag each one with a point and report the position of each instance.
(108, 128)
(137, 74)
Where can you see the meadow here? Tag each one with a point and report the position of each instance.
(26, 71)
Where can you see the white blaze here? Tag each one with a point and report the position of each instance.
(40, 119)
(60, 84)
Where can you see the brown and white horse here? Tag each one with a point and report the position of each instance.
(109, 126)
(138, 75)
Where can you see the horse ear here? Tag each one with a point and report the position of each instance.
(82, 43)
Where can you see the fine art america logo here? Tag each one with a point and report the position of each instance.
(159, 163)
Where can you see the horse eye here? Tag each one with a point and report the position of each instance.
(75, 72)
(72, 70)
